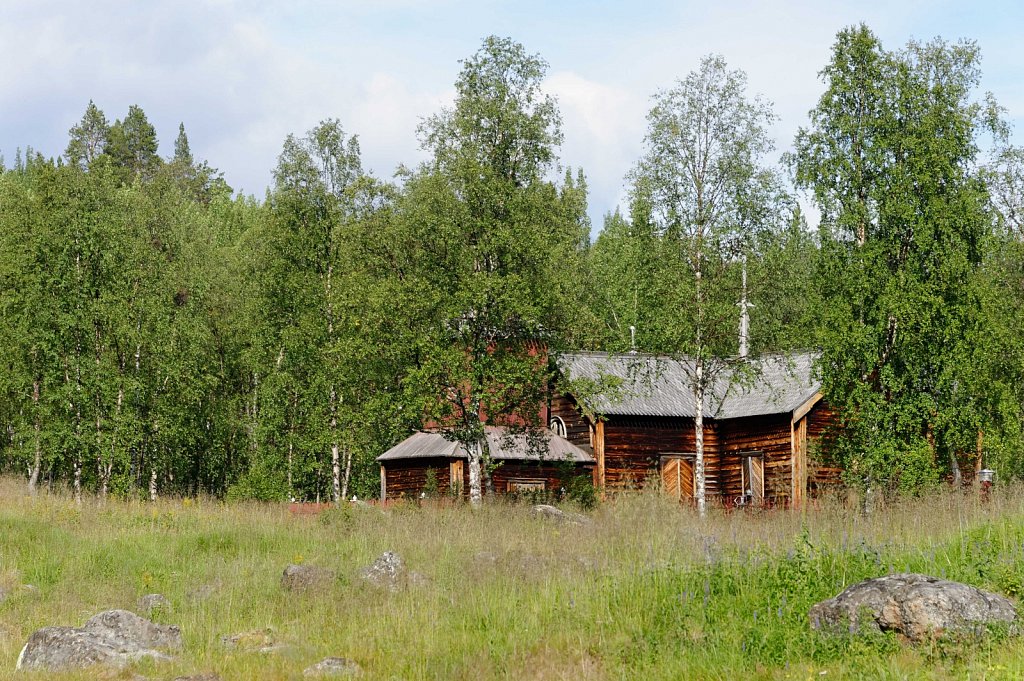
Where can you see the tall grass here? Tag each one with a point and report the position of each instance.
(645, 590)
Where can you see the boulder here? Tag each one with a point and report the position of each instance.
(129, 631)
(389, 572)
(552, 513)
(305, 578)
(916, 606)
(333, 666)
(152, 603)
(114, 637)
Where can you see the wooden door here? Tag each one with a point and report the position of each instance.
(677, 477)
(753, 482)
(455, 477)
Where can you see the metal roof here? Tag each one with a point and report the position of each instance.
(539, 445)
(651, 385)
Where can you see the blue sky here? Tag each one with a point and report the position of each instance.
(242, 75)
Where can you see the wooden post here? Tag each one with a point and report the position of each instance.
(798, 448)
(599, 452)
(383, 485)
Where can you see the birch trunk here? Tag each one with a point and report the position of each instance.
(475, 457)
(106, 469)
(348, 473)
(698, 433)
(152, 483)
(335, 450)
(37, 458)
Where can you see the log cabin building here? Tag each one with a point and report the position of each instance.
(535, 462)
(760, 435)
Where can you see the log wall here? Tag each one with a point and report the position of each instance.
(576, 427)
(768, 434)
(554, 476)
(633, 447)
(824, 475)
(408, 478)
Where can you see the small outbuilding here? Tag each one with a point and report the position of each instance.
(535, 461)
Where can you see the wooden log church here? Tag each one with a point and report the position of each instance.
(760, 435)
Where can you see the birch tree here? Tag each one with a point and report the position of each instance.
(891, 157)
(702, 175)
(494, 238)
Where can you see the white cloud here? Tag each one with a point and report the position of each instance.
(242, 75)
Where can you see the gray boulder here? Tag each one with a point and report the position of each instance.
(305, 578)
(916, 606)
(387, 572)
(127, 630)
(151, 603)
(552, 513)
(114, 637)
(333, 666)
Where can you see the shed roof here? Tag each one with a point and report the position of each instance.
(541, 445)
(660, 386)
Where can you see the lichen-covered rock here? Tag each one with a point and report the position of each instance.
(128, 631)
(114, 637)
(305, 578)
(212, 676)
(57, 648)
(152, 603)
(387, 572)
(333, 666)
(917, 606)
(552, 513)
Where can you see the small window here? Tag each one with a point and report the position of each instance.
(516, 485)
(557, 426)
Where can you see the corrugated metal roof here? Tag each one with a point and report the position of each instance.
(660, 386)
(540, 445)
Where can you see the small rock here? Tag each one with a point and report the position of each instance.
(152, 603)
(255, 641)
(485, 558)
(387, 572)
(201, 593)
(4, 593)
(551, 513)
(199, 677)
(305, 578)
(333, 666)
(916, 606)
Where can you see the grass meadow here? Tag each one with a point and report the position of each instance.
(645, 590)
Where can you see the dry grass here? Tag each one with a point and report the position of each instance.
(645, 589)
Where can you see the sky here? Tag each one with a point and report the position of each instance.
(241, 75)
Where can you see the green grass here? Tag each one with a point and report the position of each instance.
(646, 590)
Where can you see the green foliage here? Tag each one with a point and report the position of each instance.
(891, 157)
(430, 486)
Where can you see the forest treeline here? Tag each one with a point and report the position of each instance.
(162, 335)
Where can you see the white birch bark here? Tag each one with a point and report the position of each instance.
(475, 459)
(698, 427)
(37, 458)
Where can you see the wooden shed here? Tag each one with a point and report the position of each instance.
(759, 434)
(539, 461)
